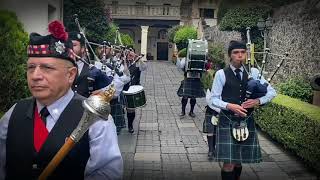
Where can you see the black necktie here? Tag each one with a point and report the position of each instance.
(44, 113)
(238, 74)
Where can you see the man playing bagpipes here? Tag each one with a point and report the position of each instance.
(121, 77)
(34, 129)
(89, 78)
(237, 141)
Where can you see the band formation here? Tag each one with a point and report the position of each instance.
(85, 93)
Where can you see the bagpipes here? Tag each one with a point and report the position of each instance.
(120, 55)
(255, 88)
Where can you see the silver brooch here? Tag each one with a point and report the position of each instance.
(78, 36)
(60, 48)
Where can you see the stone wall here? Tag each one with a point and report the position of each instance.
(214, 35)
(296, 30)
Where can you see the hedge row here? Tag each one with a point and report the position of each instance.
(295, 124)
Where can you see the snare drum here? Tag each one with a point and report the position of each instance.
(135, 96)
(196, 55)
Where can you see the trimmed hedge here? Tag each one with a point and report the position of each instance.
(295, 124)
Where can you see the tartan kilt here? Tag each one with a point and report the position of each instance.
(191, 88)
(230, 150)
(118, 112)
(208, 127)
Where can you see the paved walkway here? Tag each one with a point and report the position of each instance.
(167, 147)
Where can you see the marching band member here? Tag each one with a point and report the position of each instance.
(117, 104)
(210, 125)
(135, 73)
(237, 141)
(34, 129)
(89, 78)
(190, 88)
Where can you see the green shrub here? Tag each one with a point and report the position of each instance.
(111, 33)
(127, 40)
(183, 34)
(92, 16)
(216, 54)
(295, 124)
(296, 88)
(172, 32)
(207, 79)
(182, 53)
(13, 58)
(239, 18)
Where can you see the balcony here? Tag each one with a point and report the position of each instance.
(160, 12)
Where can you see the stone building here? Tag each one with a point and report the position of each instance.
(36, 14)
(148, 21)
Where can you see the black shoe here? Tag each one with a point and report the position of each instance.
(191, 114)
(131, 130)
(182, 114)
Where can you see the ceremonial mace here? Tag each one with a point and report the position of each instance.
(96, 106)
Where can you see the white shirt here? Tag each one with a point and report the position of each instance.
(105, 161)
(80, 66)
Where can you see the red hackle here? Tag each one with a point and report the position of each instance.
(56, 28)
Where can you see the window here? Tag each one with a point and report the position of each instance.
(166, 8)
(162, 34)
(206, 13)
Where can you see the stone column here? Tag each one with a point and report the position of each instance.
(144, 39)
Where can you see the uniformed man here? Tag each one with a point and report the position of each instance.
(89, 78)
(228, 93)
(190, 88)
(135, 74)
(34, 129)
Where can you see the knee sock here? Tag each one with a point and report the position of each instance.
(192, 104)
(227, 175)
(184, 102)
(237, 172)
(131, 117)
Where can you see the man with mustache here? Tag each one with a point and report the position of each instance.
(34, 129)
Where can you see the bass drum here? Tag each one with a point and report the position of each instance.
(135, 97)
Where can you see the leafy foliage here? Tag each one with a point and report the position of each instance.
(296, 88)
(295, 124)
(216, 55)
(183, 34)
(239, 18)
(111, 33)
(92, 16)
(207, 78)
(225, 5)
(172, 32)
(13, 55)
(127, 40)
(182, 53)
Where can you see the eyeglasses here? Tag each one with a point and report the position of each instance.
(237, 52)
(47, 68)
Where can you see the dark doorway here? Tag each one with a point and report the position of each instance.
(162, 51)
